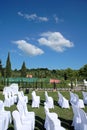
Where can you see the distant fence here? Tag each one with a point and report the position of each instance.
(40, 83)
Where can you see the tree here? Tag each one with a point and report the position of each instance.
(1, 69)
(23, 70)
(83, 72)
(8, 66)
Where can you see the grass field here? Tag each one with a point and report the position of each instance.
(65, 115)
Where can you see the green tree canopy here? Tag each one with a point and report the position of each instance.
(23, 70)
(8, 66)
(83, 72)
(0, 68)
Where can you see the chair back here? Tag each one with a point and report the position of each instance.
(46, 109)
(20, 109)
(16, 120)
(1, 106)
(74, 98)
(83, 116)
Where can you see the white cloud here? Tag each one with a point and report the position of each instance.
(55, 40)
(33, 17)
(28, 48)
(19, 13)
(45, 19)
(56, 18)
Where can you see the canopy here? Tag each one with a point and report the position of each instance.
(54, 81)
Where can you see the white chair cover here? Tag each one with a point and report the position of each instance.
(35, 100)
(62, 101)
(25, 115)
(84, 97)
(83, 116)
(7, 100)
(18, 124)
(54, 124)
(21, 95)
(76, 118)
(52, 115)
(5, 117)
(74, 99)
(9, 96)
(49, 100)
(14, 88)
(79, 118)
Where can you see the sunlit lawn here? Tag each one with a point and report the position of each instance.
(65, 115)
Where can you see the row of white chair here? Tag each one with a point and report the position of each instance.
(10, 94)
(62, 101)
(36, 100)
(24, 116)
(74, 99)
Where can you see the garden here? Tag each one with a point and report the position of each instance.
(65, 115)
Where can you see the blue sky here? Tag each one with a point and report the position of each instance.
(44, 33)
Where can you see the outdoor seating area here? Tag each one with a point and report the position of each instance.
(43, 71)
(24, 115)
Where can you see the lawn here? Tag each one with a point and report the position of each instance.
(65, 115)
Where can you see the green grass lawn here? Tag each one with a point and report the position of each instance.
(65, 115)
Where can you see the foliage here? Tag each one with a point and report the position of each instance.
(23, 70)
(83, 72)
(1, 69)
(8, 66)
(63, 74)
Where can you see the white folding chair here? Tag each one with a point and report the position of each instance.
(5, 116)
(52, 115)
(84, 97)
(79, 118)
(54, 124)
(18, 124)
(22, 96)
(83, 116)
(62, 101)
(15, 88)
(25, 115)
(74, 99)
(48, 101)
(76, 117)
(35, 100)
